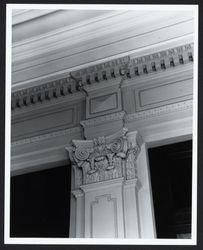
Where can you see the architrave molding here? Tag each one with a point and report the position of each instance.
(175, 107)
(103, 119)
(43, 137)
(127, 118)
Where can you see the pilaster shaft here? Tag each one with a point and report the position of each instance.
(105, 177)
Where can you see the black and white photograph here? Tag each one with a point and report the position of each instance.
(101, 124)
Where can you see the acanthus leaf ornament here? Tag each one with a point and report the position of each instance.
(105, 158)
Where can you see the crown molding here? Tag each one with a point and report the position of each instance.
(36, 62)
(116, 22)
(103, 54)
(57, 36)
(119, 23)
(126, 67)
(130, 66)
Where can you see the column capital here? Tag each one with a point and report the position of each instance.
(105, 157)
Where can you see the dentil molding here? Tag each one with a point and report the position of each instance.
(126, 67)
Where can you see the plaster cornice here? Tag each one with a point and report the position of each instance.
(128, 63)
(113, 22)
(126, 67)
(64, 30)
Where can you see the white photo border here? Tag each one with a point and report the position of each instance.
(100, 241)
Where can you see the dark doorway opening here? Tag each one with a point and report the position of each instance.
(40, 203)
(171, 179)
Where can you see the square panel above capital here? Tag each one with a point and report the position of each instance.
(105, 101)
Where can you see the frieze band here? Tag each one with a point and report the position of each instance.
(179, 106)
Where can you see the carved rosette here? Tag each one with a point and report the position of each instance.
(105, 158)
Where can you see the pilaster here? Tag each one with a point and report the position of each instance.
(105, 177)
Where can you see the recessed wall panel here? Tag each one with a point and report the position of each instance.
(159, 95)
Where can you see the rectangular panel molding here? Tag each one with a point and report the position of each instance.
(104, 217)
(104, 211)
(103, 103)
(163, 94)
(46, 123)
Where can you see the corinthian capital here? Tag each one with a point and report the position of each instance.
(105, 158)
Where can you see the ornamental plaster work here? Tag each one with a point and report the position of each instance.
(141, 115)
(126, 67)
(105, 158)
